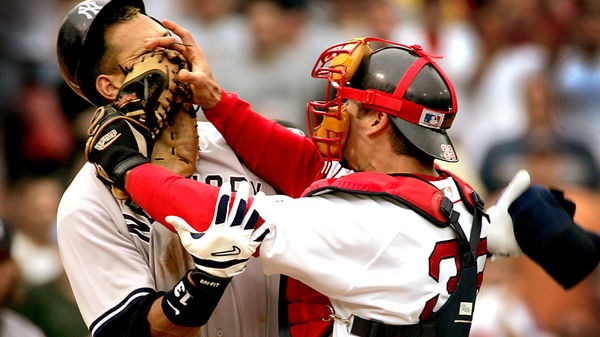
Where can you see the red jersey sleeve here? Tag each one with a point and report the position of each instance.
(287, 161)
(162, 193)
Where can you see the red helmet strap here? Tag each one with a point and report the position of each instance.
(410, 75)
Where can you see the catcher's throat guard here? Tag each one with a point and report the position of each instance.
(423, 123)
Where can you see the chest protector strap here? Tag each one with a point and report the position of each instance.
(308, 311)
(453, 319)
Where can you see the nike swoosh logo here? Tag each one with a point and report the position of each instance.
(234, 251)
(176, 310)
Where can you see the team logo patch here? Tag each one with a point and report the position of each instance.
(465, 309)
(128, 98)
(448, 152)
(431, 119)
(89, 8)
(106, 140)
(448, 192)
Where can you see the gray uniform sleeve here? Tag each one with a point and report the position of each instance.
(105, 269)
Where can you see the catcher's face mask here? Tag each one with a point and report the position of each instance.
(399, 80)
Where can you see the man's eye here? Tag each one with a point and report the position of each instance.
(126, 70)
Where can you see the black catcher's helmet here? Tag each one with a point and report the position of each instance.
(80, 31)
(402, 81)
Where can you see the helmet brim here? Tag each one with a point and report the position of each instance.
(434, 142)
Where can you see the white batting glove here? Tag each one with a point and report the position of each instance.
(226, 246)
(501, 239)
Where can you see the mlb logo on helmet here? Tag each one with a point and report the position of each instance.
(431, 119)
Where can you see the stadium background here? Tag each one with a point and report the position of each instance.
(527, 74)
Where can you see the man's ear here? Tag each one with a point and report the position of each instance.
(378, 122)
(108, 85)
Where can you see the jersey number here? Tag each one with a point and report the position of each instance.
(448, 250)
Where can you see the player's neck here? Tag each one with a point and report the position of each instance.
(393, 163)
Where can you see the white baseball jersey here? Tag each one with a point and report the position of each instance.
(372, 258)
(114, 252)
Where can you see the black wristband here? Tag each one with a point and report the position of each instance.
(190, 304)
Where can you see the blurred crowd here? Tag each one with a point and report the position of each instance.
(526, 72)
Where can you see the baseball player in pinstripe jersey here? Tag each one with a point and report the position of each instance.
(120, 262)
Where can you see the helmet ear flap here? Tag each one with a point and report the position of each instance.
(347, 62)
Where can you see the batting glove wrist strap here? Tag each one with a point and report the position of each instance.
(190, 304)
(116, 144)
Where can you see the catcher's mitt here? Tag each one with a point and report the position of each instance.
(151, 89)
(152, 109)
(176, 149)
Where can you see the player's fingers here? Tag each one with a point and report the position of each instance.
(239, 204)
(189, 48)
(183, 33)
(251, 219)
(196, 78)
(164, 42)
(222, 206)
(515, 188)
(261, 232)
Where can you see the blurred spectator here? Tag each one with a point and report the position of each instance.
(34, 129)
(492, 110)
(52, 307)
(273, 72)
(577, 79)
(12, 324)
(33, 205)
(500, 311)
(572, 313)
(443, 29)
(216, 25)
(540, 148)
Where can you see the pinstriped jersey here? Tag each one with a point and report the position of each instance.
(114, 253)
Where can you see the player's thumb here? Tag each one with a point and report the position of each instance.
(515, 188)
(180, 225)
(196, 78)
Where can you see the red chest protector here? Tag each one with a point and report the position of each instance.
(308, 311)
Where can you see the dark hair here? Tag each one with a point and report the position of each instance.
(100, 55)
(400, 144)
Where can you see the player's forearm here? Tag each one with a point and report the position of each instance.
(162, 193)
(161, 326)
(288, 161)
(188, 306)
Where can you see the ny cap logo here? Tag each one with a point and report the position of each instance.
(89, 8)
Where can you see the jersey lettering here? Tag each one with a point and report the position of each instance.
(217, 180)
(444, 250)
(214, 179)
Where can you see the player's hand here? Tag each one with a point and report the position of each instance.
(116, 143)
(206, 91)
(226, 246)
(500, 235)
